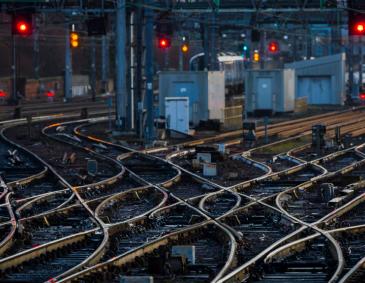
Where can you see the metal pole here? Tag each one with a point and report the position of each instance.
(309, 43)
(360, 62)
(263, 54)
(120, 67)
(181, 62)
(93, 69)
(149, 135)
(206, 44)
(138, 77)
(295, 51)
(132, 67)
(68, 67)
(351, 68)
(36, 47)
(266, 123)
(166, 58)
(213, 47)
(13, 67)
(104, 63)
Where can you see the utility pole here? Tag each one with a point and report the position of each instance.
(181, 56)
(14, 99)
(262, 52)
(309, 42)
(93, 69)
(68, 67)
(351, 66)
(213, 39)
(36, 47)
(206, 42)
(104, 63)
(149, 134)
(120, 67)
(131, 116)
(360, 61)
(138, 71)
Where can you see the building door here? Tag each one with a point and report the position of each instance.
(177, 113)
(316, 89)
(264, 94)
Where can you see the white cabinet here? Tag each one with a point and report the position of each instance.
(177, 114)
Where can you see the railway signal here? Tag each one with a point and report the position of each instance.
(273, 47)
(185, 48)
(357, 28)
(74, 39)
(245, 52)
(164, 42)
(22, 24)
(356, 19)
(256, 56)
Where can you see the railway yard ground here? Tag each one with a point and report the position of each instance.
(80, 202)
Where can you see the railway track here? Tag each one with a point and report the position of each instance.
(55, 263)
(344, 165)
(313, 263)
(41, 229)
(15, 166)
(175, 207)
(57, 107)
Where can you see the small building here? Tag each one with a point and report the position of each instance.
(269, 91)
(205, 91)
(321, 80)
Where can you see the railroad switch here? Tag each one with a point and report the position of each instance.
(249, 133)
(29, 125)
(17, 113)
(318, 141)
(338, 135)
(84, 113)
(168, 265)
(347, 140)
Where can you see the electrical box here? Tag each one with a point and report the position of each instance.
(210, 169)
(177, 114)
(92, 167)
(186, 251)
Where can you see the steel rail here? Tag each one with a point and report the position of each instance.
(332, 240)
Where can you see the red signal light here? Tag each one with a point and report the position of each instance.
(22, 24)
(360, 27)
(164, 42)
(50, 93)
(362, 96)
(22, 27)
(273, 47)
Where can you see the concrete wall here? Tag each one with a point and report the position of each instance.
(333, 66)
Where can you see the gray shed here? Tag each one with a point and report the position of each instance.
(205, 90)
(321, 80)
(269, 90)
